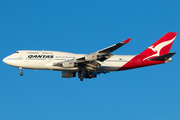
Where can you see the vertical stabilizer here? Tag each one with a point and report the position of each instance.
(160, 47)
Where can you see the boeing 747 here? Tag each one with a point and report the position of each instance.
(90, 65)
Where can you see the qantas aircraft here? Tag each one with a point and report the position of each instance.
(90, 65)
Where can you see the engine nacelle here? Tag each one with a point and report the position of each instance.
(69, 64)
(91, 57)
(68, 74)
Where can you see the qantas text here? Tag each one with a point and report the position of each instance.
(40, 56)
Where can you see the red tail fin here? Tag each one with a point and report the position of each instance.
(160, 47)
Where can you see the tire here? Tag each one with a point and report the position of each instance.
(21, 74)
(81, 79)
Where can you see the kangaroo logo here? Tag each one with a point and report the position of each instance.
(158, 48)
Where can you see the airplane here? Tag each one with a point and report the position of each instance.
(91, 65)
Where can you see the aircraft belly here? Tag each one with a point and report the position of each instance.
(65, 69)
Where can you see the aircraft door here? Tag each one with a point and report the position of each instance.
(138, 61)
(25, 58)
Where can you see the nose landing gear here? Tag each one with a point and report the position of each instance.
(21, 73)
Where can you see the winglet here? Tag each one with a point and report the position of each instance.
(127, 40)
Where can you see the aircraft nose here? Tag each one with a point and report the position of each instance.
(4, 60)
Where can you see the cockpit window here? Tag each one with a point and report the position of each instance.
(16, 52)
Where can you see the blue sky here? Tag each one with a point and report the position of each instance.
(84, 27)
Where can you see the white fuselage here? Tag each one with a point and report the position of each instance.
(45, 60)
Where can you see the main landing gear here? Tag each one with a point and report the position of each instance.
(80, 75)
(85, 74)
(21, 73)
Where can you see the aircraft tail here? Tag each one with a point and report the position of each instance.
(161, 46)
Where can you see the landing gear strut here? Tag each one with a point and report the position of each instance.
(21, 73)
(80, 75)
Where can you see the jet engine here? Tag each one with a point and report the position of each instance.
(68, 74)
(68, 64)
(91, 57)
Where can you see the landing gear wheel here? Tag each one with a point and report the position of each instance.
(81, 79)
(21, 74)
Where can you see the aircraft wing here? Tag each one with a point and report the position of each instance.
(103, 54)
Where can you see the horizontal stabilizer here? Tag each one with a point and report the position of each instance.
(163, 57)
